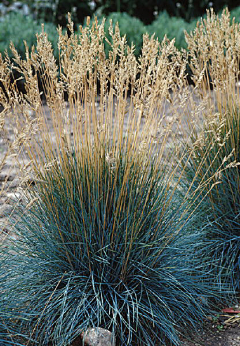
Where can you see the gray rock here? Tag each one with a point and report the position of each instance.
(98, 337)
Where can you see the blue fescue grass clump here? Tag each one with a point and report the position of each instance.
(8, 335)
(219, 179)
(5, 337)
(216, 73)
(101, 246)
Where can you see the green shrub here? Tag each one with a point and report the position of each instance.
(140, 9)
(18, 28)
(173, 27)
(236, 13)
(186, 9)
(134, 29)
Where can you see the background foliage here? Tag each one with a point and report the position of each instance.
(56, 10)
(17, 27)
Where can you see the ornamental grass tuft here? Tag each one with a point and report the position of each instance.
(218, 143)
(102, 236)
(100, 247)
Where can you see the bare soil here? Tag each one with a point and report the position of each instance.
(217, 333)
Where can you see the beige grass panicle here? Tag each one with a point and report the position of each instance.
(109, 97)
(214, 48)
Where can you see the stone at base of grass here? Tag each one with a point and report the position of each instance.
(98, 337)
